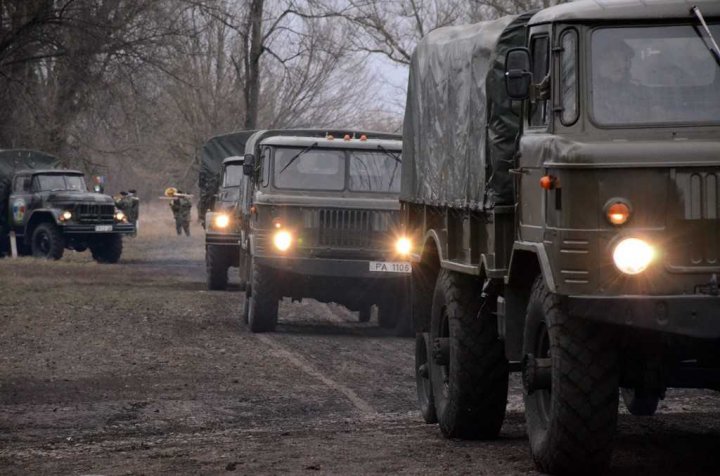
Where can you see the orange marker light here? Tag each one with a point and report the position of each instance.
(329, 137)
(618, 213)
(363, 137)
(548, 182)
(347, 137)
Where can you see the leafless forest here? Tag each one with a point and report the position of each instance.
(131, 89)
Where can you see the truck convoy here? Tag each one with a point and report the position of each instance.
(318, 217)
(50, 209)
(560, 183)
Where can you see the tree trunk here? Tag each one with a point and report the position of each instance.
(252, 71)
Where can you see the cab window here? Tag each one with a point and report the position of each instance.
(540, 54)
(22, 184)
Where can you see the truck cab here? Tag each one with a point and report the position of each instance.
(321, 221)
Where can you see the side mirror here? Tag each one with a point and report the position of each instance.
(517, 73)
(249, 165)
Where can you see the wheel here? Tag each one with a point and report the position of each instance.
(107, 249)
(365, 313)
(47, 242)
(422, 378)
(468, 370)
(570, 425)
(640, 402)
(262, 313)
(216, 266)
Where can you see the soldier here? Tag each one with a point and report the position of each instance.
(181, 208)
(133, 211)
(122, 203)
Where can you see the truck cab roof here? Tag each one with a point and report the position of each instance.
(49, 172)
(624, 10)
(334, 143)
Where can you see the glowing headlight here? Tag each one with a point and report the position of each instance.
(403, 246)
(120, 216)
(282, 240)
(66, 215)
(221, 220)
(633, 256)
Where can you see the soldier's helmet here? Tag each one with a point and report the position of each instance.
(132, 191)
(123, 193)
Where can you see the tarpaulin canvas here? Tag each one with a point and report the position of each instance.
(212, 155)
(460, 130)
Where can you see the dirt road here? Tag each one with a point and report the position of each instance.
(137, 369)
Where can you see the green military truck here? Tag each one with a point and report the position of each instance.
(50, 209)
(220, 180)
(560, 183)
(320, 219)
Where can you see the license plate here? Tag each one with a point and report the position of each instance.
(390, 267)
(103, 227)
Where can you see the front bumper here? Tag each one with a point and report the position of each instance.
(328, 267)
(693, 316)
(122, 228)
(224, 239)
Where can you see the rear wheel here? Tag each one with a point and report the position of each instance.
(468, 371)
(422, 378)
(47, 242)
(262, 313)
(216, 264)
(570, 424)
(107, 249)
(640, 402)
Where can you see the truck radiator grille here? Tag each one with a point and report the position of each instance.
(91, 213)
(351, 228)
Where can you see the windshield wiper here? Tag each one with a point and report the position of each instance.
(294, 158)
(712, 46)
(390, 154)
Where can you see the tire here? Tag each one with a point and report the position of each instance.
(470, 388)
(639, 402)
(107, 249)
(365, 313)
(570, 426)
(262, 313)
(47, 242)
(422, 378)
(216, 265)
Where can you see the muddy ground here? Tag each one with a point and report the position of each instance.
(136, 368)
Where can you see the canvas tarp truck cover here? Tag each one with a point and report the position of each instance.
(12, 161)
(460, 130)
(212, 155)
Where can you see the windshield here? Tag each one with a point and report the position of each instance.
(372, 171)
(233, 175)
(316, 169)
(60, 182)
(654, 75)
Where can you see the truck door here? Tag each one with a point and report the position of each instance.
(19, 203)
(537, 120)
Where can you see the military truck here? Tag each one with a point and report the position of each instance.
(565, 215)
(220, 180)
(320, 219)
(49, 209)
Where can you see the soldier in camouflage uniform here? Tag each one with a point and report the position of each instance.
(122, 203)
(133, 210)
(181, 208)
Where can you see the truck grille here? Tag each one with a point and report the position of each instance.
(92, 213)
(349, 228)
(695, 234)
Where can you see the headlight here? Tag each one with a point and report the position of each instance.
(633, 255)
(120, 216)
(403, 246)
(66, 215)
(282, 240)
(221, 220)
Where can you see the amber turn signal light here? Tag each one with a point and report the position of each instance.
(618, 213)
(548, 182)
